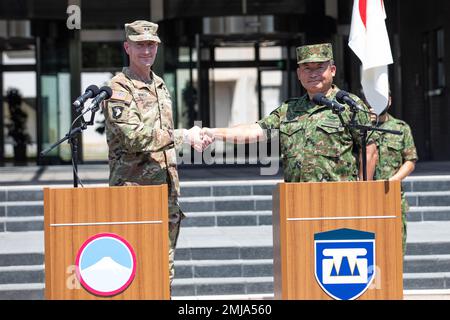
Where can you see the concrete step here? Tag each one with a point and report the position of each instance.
(225, 286)
(420, 272)
(228, 188)
(429, 237)
(427, 199)
(21, 224)
(430, 263)
(223, 188)
(427, 280)
(224, 268)
(22, 208)
(427, 248)
(21, 215)
(215, 187)
(22, 274)
(417, 214)
(22, 193)
(223, 252)
(220, 218)
(227, 218)
(264, 217)
(22, 291)
(226, 203)
(264, 285)
(426, 183)
(21, 259)
(188, 189)
(222, 286)
(424, 238)
(264, 267)
(225, 260)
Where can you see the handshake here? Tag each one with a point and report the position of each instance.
(199, 138)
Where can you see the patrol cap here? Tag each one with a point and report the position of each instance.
(315, 53)
(141, 30)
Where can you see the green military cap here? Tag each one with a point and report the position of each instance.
(315, 53)
(142, 30)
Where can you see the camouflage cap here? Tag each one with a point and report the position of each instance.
(315, 53)
(142, 30)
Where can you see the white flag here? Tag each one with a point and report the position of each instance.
(369, 40)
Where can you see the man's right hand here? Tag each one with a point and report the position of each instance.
(207, 136)
(192, 136)
(199, 138)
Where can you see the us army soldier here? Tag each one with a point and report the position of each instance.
(139, 126)
(314, 144)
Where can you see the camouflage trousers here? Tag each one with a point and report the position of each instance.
(175, 217)
(405, 209)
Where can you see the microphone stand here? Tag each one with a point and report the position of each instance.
(338, 112)
(363, 135)
(72, 136)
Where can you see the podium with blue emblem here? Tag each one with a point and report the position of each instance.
(338, 240)
(106, 243)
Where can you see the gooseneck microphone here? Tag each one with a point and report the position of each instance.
(320, 99)
(105, 94)
(90, 92)
(344, 97)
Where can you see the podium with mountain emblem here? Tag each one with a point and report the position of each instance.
(338, 240)
(106, 243)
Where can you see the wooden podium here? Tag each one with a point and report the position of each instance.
(308, 217)
(106, 243)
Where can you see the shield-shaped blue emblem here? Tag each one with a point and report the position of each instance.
(344, 262)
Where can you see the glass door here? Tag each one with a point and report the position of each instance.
(247, 79)
(18, 101)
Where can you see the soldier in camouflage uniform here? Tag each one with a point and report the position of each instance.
(315, 146)
(139, 126)
(397, 155)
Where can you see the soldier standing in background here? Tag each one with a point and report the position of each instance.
(397, 155)
(315, 146)
(139, 126)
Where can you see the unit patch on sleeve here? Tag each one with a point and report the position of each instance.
(117, 111)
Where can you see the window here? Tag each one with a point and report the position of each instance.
(434, 47)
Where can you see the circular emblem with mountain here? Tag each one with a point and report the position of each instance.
(105, 264)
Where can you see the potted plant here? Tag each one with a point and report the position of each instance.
(16, 127)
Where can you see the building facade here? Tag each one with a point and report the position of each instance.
(224, 62)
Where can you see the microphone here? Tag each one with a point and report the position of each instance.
(344, 97)
(105, 94)
(90, 92)
(320, 99)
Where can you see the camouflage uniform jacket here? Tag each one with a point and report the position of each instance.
(314, 144)
(393, 150)
(140, 133)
